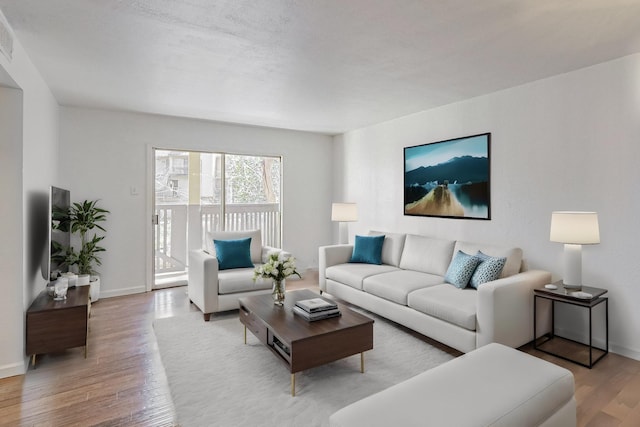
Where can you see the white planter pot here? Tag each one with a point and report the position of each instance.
(83, 280)
(94, 292)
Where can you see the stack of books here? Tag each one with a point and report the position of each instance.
(316, 309)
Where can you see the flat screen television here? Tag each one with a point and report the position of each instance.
(59, 239)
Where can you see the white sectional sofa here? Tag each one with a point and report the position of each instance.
(409, 288)
(492, 386)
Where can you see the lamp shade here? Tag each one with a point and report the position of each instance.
(576, 228)
(344, 212)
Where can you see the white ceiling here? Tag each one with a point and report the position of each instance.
(318, 65)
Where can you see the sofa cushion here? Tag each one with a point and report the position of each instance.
(396, 285)
(233, 253)
(354, 274)
(426, 254)
(367, 249)
(256, 241)
(240, 280)
(448, 303)
(461, 269)
(513, 255)
(392, 247)
(488, 270)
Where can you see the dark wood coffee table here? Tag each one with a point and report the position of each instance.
(300, 344)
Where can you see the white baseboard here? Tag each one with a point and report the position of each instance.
(122, 292)
(13, 369)
(600, 343)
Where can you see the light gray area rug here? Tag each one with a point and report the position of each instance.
(217, 380)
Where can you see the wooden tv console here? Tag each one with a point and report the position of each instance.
(58, 325)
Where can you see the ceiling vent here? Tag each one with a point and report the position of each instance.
(6, 38)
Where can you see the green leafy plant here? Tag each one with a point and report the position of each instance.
(83, 218)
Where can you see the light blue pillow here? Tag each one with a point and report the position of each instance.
(368, 249)
(461, 269)
(233, 253)
(488, 270)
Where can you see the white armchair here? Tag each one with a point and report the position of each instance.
(213, 290)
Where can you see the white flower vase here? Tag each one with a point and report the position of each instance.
(94, 291)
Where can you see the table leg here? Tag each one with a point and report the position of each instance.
(33, 360)
(293, 385)
(362, 363)
(245, 334)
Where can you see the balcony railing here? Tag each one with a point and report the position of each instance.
(184, 227)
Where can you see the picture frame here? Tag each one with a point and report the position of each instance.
(449, 179)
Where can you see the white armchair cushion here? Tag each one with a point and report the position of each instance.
(256, 242)
(239, 280)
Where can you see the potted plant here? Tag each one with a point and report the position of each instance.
(84, 217)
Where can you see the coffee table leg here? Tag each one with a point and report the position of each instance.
(362, 363)
(245, 334)
(293, 385)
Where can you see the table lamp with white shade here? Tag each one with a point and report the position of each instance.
(574, 229)
(343, 213)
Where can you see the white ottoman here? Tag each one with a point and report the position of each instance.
(494, 385)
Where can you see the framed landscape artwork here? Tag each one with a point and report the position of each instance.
(449, 179)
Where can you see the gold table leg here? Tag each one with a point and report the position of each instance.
(33, 360)
(245, 334)
(362, 363)
(293, 385)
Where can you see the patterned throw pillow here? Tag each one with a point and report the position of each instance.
(488, 270)
(461, 269)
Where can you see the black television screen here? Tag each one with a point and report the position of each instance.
(59, 233)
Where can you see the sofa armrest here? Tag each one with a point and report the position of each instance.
(505, 308)
(202, 286)
(331, 255)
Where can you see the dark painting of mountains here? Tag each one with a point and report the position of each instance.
(449, 178)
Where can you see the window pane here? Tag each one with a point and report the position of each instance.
(252, 195)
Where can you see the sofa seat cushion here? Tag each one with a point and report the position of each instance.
(239, 280)
(396, 285)
(353, 274)
(448, 303)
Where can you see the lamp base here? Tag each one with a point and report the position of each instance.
(569, 287)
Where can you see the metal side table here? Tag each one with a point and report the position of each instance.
(565, 296)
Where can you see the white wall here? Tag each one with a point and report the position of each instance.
(570, 142)
(105, 153)
(28, 140)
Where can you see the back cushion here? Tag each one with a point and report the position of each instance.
(513, 255)
(392, 247)
(256, 241)
(426, 254)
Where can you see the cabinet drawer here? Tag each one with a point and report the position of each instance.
(253, 324)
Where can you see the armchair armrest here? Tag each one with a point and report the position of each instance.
(505, 308)
(202, 286)
(331, 255)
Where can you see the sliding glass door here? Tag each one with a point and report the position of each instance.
(199, 192)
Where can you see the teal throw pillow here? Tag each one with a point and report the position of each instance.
(233, 253)
(368, 249)
(488, 270)
(461, 269)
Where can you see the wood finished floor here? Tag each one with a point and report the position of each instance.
(122, 382)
